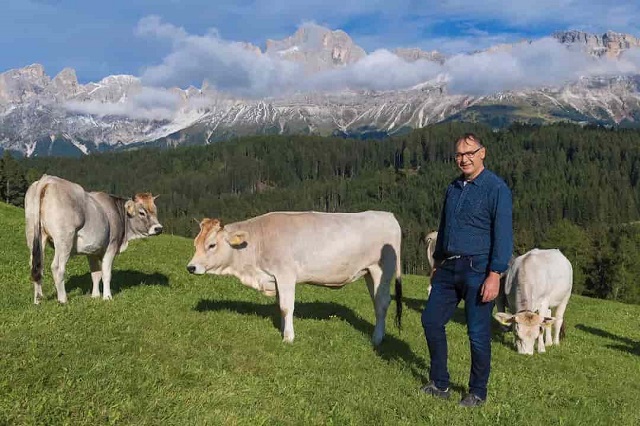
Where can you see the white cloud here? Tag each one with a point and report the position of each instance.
(147, 104)
(229, 66)
(544, 62)
(236, 69)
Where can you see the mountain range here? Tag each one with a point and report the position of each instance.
(40, 115)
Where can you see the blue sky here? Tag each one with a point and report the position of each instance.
(102, 38)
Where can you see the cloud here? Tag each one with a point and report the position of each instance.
(544, 62)
(146, 104)
(240, 70)
(230, 66)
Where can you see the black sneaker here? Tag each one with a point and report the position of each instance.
(431, 389)
(471, 400)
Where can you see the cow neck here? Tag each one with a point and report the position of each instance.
(124, 237)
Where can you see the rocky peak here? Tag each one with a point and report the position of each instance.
(66, 83)
(610, 44)
(413, 54)
(317, 48)
(22, 84)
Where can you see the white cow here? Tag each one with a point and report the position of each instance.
(536, 282)
(273, 252)
(430, 241)
(95, 224)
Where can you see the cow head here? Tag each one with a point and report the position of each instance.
(215, 246)
(527, 326)
(142, 214)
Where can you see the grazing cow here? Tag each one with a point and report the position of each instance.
(273, 252)
(536, 282)
(95, 224)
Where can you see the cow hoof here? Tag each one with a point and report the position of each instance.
(287, 338)
(107, 297)
(95, 295)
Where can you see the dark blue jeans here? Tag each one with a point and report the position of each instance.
(455, 280)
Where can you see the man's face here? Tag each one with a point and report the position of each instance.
(470, 157)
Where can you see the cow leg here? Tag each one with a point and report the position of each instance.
(286, 299)
(557, 325)
(548, 341)
(378, 283)
(58, 267)
(37, 285)
(96, 274)
(107, 263)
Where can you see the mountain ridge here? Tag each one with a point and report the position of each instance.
(40, 115)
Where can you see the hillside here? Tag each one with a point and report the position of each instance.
(178, 349)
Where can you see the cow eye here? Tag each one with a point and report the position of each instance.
(142, 213)
(211, 246)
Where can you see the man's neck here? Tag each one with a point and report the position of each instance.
(472, 177)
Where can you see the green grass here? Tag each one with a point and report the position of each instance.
(175, 349)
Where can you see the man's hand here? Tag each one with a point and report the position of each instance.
(433, 272)
(491, 287)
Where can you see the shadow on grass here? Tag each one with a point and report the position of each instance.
(120, 280)
(628, 345)
(391, 347)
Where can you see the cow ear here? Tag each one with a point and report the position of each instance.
(504, 318)
(237, 238)
(547, 321)
(130, 207)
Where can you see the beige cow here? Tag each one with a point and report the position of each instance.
(95, 224)
(536, 282)
(430, 241)
(273, 252)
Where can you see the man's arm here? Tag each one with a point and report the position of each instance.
(502, 242)
(502, 231)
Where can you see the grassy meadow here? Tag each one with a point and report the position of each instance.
(176, 349)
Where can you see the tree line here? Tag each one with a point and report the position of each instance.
(575, 188)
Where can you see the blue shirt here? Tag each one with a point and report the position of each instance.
(477, 221)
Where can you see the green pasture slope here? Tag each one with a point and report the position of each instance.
(175, 349)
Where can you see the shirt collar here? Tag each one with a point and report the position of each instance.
(479, 180)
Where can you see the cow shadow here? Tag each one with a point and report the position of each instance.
(627, 345)
(120, 280)
(391, 348)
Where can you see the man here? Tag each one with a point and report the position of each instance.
(474, 245)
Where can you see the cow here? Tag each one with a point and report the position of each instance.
(430, 241)
(273, 252)
(74, 221)
(536, 282)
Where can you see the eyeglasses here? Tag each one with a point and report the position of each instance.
(468, 154)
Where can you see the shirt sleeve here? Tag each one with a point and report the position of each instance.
(438, 253)
(502, 230)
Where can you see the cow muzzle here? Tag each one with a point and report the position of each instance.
(156, 230)
(194, 269)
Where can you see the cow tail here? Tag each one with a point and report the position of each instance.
(36, 248)
(399, 302)
(562, 331)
